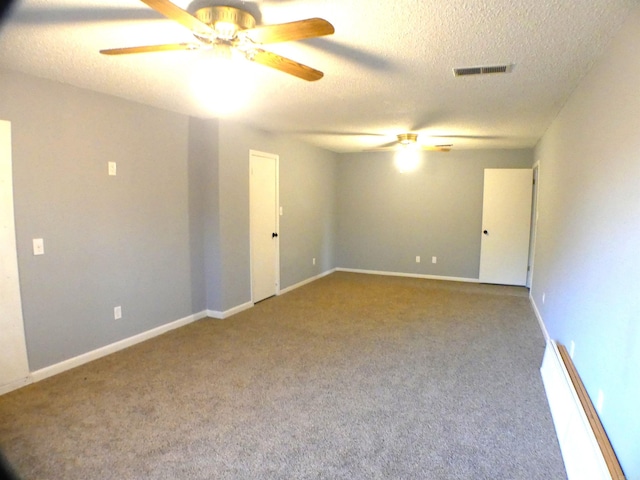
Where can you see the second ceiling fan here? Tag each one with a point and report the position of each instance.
(228, 28)
(410, 140)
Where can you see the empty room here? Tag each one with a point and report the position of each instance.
(302, 239)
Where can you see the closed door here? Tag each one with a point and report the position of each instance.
(506, 222)
(264, 226)
(14, 368)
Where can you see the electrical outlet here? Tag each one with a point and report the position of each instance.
(543, 295)
(417, 258)
(117, 313)
(314, 261)
(434, 259)
(112, 169)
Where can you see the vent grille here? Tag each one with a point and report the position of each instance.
(464, 71)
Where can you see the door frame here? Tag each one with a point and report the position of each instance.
(19, 374)
(534, 222)
(488, 274)
(276, 158)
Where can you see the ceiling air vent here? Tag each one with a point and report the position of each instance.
(464, 71)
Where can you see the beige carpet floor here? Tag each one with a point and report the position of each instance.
(350, 377)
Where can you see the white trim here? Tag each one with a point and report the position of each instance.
(583, 458)
(9, 387)
(543, 327)
(14, 363)
(411, 275)
(308, 280)
(227, 313)
(276, 159)
(534, 223)
(263, 154)
(112, 348)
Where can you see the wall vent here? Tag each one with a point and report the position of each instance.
(464, 71)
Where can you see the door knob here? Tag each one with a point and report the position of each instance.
(486, 232)
(274, 235)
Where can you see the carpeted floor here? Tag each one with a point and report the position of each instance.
(350, 377)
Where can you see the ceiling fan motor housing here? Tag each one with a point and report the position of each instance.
(227, 16)
(407, 138)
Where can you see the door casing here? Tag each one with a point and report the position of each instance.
(264, 202)
(506, 219)
(14, 364)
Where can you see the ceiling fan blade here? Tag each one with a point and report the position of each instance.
(175, 13)
(387, 147)
(150, 48)
(437, 148)
(335, 133)
(285, 65)
(470, 137)
(395, 146)
(285, 32)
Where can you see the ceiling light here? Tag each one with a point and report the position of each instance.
(407, 159)
(225, 30)
(222, 85)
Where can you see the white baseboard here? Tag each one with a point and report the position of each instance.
(304, 282)
(583, 458)
(543, 327)
(112, 348)
(9, 387)
(227, 313)
(411, 275)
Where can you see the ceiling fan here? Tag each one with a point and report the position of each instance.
(227, 28)
(410, 140)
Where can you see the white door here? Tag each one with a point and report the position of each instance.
(264, 225)
(14, 367)
(506, 222)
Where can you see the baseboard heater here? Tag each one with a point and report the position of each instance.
(586, 450)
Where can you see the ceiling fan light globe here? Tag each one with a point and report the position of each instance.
(222, 87)
(407, 160)
(225, 30)
(222, 51)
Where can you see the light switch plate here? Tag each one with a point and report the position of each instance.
(38, 246)
(112, 169)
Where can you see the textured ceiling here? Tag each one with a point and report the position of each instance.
(388, 67)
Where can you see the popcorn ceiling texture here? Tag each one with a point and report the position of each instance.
(388, 67)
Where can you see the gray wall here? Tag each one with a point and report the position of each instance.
(308, 224)
(109, 241)
(167, 237)
(307, 195)
(387, 218)
(587, 260)
(203, 212)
